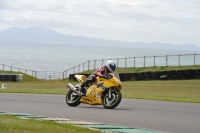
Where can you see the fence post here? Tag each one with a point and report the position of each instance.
(74, 69)
(83, 66)
(194, 59)
(79, 68)
(154, 61)
(66, 73)
(144, 61)
(11, 68)
(179, 60)
(117, 62)
(63, 75)
(3, 67)
(94, 64)
(125, 62)
(88, 64)
(134, 62)
(166, 60)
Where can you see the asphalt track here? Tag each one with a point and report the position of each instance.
(172, 117)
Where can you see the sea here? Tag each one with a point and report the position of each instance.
(62, 57)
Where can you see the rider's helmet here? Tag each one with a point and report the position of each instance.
(111, 65)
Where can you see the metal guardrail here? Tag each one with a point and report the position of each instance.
(141, 61)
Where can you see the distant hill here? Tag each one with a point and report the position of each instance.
(43, 34)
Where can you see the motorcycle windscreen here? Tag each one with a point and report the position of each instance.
(81, 78)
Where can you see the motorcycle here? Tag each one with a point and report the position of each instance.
(105, 91)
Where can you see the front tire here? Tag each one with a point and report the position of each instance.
(72, 98)
(114, 101)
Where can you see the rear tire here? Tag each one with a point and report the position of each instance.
(72, 99)
(116, 97)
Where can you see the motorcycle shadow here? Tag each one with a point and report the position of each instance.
(100, 107)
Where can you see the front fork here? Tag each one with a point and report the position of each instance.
(110, 93)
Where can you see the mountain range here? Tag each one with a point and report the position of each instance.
(46, 35)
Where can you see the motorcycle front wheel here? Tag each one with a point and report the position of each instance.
(72, 99)
(113, 101)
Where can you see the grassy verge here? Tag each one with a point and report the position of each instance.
(170, 90)
(11, 124)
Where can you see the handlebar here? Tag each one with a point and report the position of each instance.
(107, 76)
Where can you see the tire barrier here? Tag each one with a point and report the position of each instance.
(190, 74)
(141, 76)
(127, 76)
(197, 74)
(163, 75)
(180, 74)
(171, 75)
(148, 75)
(122, 77)
(157, 75)
(134, 76)
(11, 77)
(72, 77)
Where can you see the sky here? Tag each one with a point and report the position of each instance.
(167, 21)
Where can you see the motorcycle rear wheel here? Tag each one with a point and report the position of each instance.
(116, 97)
(72, 99)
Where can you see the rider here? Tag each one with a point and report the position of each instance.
(109, 67)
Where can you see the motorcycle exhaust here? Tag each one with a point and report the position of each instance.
(71, 87)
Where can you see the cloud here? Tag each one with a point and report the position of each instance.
(124, 20)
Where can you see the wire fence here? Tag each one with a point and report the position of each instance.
(142, 61)
(46, 75)
(129, 62)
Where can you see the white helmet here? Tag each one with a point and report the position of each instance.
(111, 65)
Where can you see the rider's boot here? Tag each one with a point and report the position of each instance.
(86, 83)
(82, 90)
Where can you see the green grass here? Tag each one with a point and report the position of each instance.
(168, 90)
(11, 124)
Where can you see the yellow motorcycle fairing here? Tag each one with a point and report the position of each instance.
(94, 92)
(111, 82)
(93, 96)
